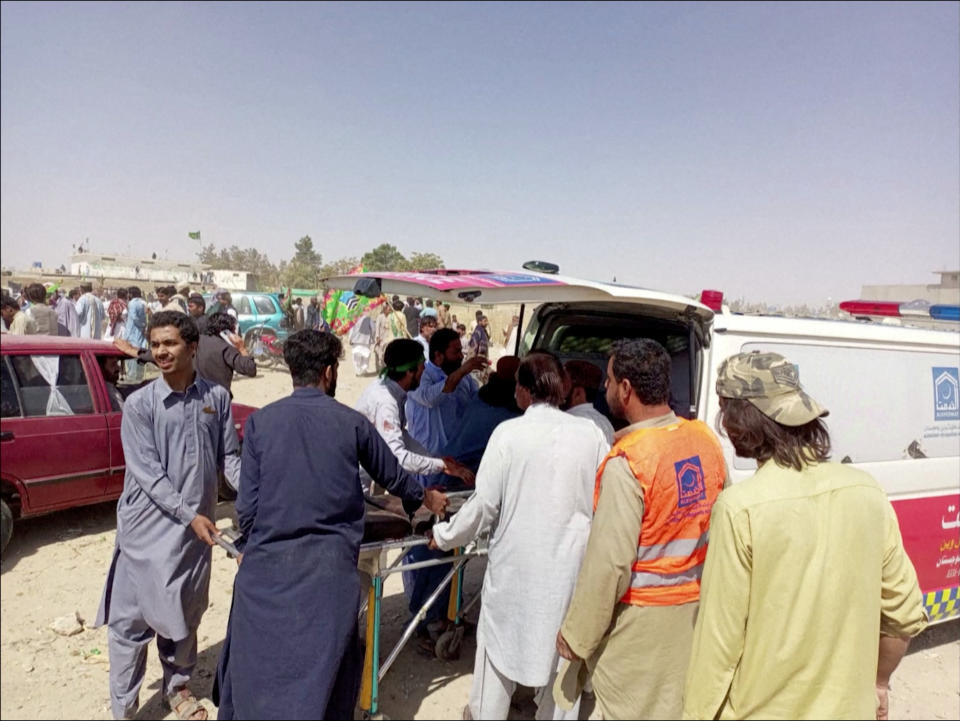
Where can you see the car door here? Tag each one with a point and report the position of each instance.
(267, 312)
(246, 316)
(58, 447)
(110, 401)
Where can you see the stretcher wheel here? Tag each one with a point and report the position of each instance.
(448, 645)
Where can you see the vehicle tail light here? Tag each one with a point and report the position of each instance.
(713, 299)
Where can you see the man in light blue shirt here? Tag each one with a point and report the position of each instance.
(177, 432)
(435, 408)
(90, 313)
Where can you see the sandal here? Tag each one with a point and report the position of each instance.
(185, 705)
(426, 647)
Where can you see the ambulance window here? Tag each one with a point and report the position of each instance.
(590, 337)
(885, 405)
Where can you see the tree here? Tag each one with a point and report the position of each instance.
(303, 271)
(425, 261)
(305, 254)
(339, 267)
(250, 260)
(208, 255)
(384, 257)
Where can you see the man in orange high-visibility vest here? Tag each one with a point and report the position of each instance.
(631, 619)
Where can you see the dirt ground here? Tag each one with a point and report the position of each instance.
(55, 566)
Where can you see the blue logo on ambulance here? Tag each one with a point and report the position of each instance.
(946, 394)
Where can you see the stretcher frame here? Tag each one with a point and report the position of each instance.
(373, 561)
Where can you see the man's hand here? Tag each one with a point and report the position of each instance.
(126, 346)
(467, 367)
(564, 650)
(477, 363)
(205, 529)
(435, 501)
(237, 342)
(433, 541)
(453, 467)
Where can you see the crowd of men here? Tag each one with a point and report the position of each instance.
(618, 560)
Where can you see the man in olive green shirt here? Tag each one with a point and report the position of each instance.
(808, 599)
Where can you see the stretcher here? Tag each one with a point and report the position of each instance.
(387, 529)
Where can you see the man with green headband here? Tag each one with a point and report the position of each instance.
(383, 404)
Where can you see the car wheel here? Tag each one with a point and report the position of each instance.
(6, 525)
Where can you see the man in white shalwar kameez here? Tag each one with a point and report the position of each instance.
(535, 491)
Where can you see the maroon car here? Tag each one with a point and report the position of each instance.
(60, 426)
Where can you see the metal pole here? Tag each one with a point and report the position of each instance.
(390, 545)
(421, 614)
(376, 675)
(420, 564)
(470, 604)
(516, 348)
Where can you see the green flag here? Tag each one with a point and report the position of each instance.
(194, 236)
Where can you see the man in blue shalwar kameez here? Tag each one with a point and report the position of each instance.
(292, 647)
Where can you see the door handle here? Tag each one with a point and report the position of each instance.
(6, 436)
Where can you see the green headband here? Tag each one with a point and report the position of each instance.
(411, 366)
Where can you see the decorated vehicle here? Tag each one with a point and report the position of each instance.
(892, 391)
(60, 426)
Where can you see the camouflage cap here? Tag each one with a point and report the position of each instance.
(772, 384)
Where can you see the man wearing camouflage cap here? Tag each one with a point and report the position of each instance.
(805, 565)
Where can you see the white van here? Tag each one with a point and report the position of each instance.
(892, 392)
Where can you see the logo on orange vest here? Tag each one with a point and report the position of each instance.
(690, 485)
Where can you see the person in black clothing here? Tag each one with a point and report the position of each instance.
(216, 359)
(412, 314)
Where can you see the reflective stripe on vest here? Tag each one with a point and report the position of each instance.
(680, 469)
(641, 578)
(679, 547)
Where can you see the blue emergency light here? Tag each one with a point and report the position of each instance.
(945, 312)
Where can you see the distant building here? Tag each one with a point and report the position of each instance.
(150, 270)
(233, 279)
(947, 291)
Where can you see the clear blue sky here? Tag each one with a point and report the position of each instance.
(779, 152)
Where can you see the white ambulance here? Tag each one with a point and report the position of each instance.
(892, 392)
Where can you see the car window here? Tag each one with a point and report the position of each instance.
(9, 399)
(110, 365)
(264, 305)
(52, 385)
(243, 305)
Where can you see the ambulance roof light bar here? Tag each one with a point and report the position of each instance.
(893, 309)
